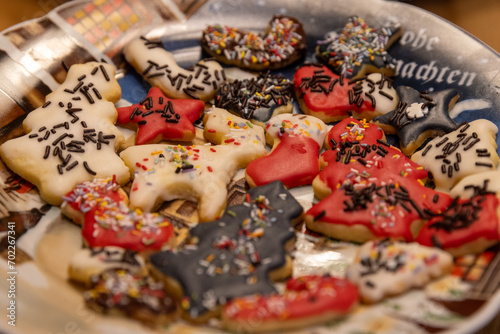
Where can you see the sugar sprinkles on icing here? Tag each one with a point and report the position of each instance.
(256, 95)
(321, 82)
(278, 45)
(72, 136)
(355, 44)
(120, 289)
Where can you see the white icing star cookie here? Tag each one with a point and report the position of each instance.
(197, 173)
(387, 268)
(72, 138)
(470, 149)
(159, 68)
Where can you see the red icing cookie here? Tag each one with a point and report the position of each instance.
(466, 226)
(158, 118)
(360, 154)
(370, 189)
(351, 130)
(279, 165)
(294, 160)
(307, 300)
(397, 209)
(331, 97)
(108, 221)
(85, 195)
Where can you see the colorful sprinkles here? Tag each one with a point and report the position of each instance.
(284, 38)
(255, 98)
(355, 45)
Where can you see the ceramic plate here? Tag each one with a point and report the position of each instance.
(431, 55)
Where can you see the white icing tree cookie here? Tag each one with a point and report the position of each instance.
(159, 68)
(72, 137)
(470, 149)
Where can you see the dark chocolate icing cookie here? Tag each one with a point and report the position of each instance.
(257, 99)
(358, 48)
(234, 255)
(419, 115)
(283, 43)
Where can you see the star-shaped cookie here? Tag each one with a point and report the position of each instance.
(358, 48)
(72, 137)
(235, 255)
(419, 115)
(158, 118)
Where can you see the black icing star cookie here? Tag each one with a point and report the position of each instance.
(257, 99)
(358, 49)
(233, 256)
(419, 115)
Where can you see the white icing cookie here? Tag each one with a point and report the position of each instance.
(296, 124)
(159, 68)
(387, 268)
(93, 261)
(222, 128)
(488, 181)
(470, 149)
(72, 138)
(376, 87)
(197, 173)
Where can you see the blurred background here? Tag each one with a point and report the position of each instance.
(480, 18)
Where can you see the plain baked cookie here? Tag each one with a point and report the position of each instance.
(306, 301)
(331, 97)
(159, 68)
(72, 137)
(387, 268)
(283, 43)
(236, 255)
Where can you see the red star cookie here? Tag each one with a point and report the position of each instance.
(159, 118)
